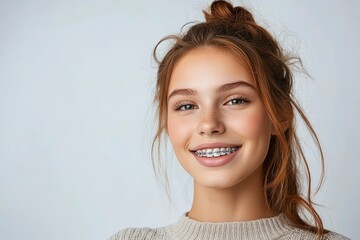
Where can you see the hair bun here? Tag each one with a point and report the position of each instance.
(224, 11)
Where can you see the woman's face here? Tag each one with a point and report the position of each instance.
(216, 121)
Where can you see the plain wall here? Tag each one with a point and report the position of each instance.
(76, 86)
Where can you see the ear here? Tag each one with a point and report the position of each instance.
(284, 126)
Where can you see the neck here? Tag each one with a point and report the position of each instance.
(242, 202)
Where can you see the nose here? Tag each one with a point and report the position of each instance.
(211, 124)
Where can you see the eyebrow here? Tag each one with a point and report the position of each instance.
(223, 88)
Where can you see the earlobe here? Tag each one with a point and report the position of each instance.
(284, 126)
(273, 130)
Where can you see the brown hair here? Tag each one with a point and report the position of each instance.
(234, 29)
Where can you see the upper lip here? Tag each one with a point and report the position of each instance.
(213, 145)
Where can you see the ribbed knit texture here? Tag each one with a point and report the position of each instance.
(188, 229)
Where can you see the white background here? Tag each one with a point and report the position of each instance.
(76, 85)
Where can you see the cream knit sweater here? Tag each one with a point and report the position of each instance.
(188, 229)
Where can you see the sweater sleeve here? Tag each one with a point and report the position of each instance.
(300, 234)
(335, 236)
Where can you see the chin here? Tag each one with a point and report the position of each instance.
(216, 181)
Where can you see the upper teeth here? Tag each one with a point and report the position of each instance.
(215, 152)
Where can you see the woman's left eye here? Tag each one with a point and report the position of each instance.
(237, 101)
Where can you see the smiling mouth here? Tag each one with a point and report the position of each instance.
(215, 152)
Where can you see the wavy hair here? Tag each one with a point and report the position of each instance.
(234, 29)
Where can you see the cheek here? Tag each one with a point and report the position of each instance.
(252, 124)
(179, 131)
(259, 123)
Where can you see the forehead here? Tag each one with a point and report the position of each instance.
(208, 67)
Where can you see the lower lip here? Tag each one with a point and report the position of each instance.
(216, 161)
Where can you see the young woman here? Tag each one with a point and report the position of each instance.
(225, 102)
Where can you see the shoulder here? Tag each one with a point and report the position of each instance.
(335, 236)
(139, 234)
(299, 234)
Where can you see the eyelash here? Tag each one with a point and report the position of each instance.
(242, 99)
(179, 105)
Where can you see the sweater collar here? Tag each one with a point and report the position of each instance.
(265, 228)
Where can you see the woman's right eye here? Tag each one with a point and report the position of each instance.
(184, 107)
